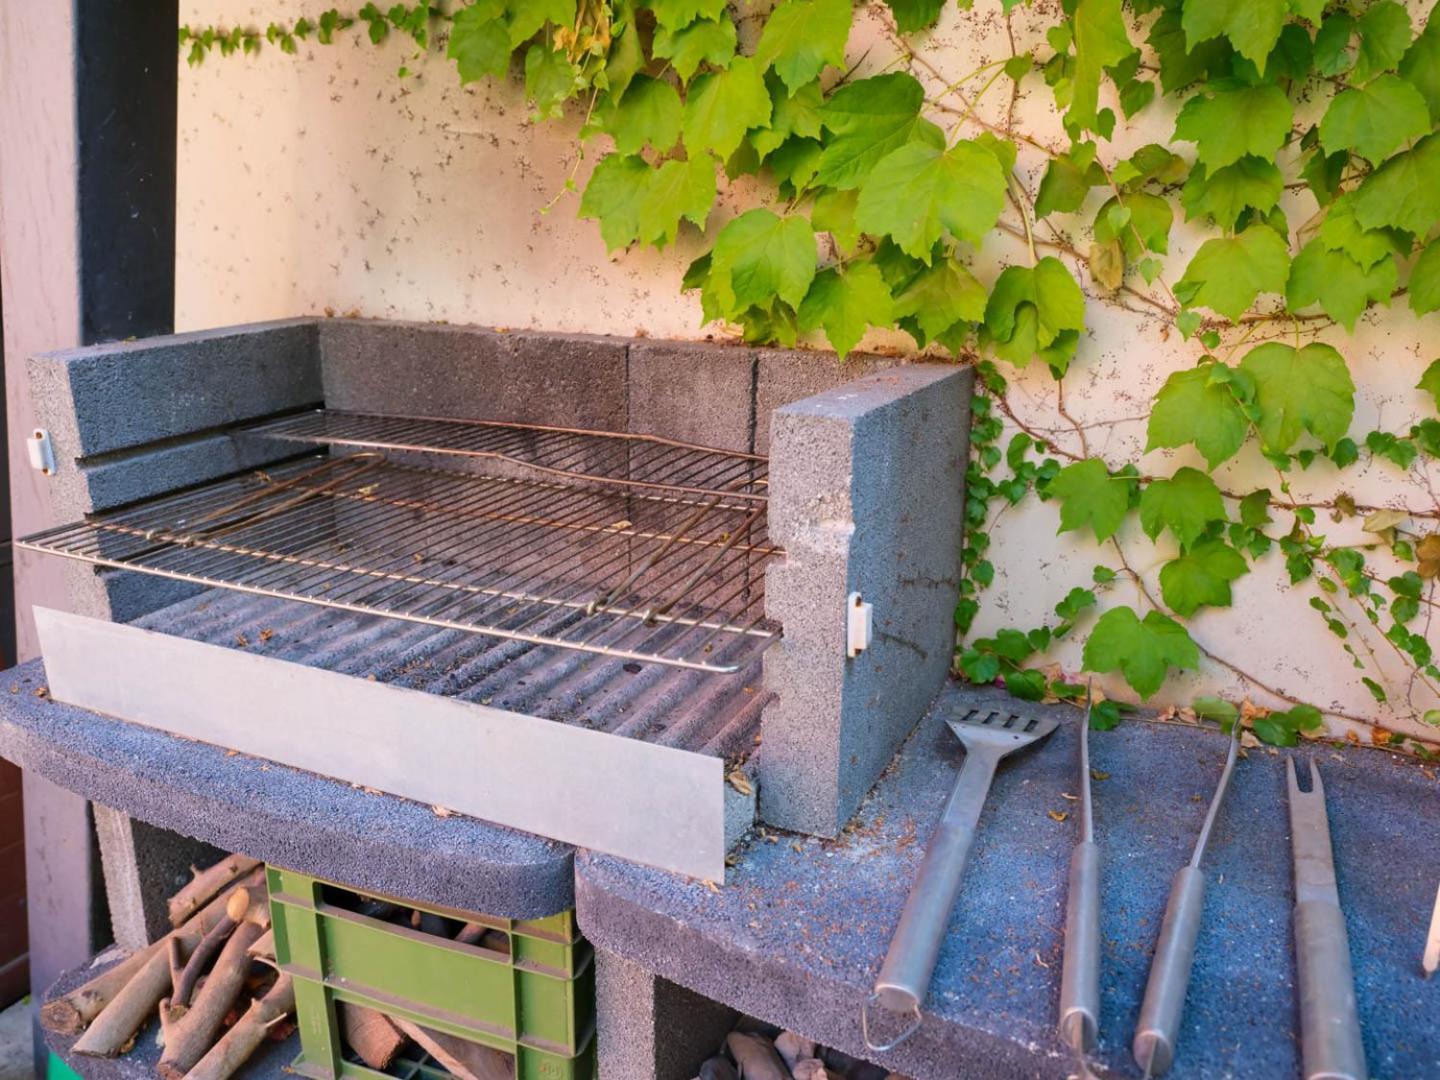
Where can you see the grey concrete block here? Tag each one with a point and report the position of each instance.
(171, 466)
(648, 1028)
(694, 392)
(474, 373)
(786, 375)
(144, 866)
(107, 398)
(867, 496)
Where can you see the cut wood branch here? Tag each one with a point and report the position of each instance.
(112, 1007)
(239, 1044)
(264, 947)
(371, 1035)
(204, 952)
(188, 1037)
(206, 885)
(464, 1059)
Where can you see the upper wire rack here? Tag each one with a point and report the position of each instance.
(641, 569)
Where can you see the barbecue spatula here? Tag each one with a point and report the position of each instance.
(905, 976)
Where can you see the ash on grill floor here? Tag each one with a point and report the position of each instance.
(712, 714)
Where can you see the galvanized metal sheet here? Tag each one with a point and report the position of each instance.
(656, 805)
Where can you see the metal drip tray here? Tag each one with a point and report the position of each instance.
(626, 546)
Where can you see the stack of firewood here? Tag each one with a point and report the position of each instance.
(216, 965)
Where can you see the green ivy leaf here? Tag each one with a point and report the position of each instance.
(1425, 280)
(1337, 283)
(648, 114)
(1232, 123)
(1430, 381)
(1185, 504)
(678, 190)
(677, 13)
(1201, 577)
(938, 298)
(1251, 183)
(1067, 182)
(870, 119)
(550, 80)
(1101, 41)
(1089, 495)
(918, 193)
(479, 43)
(529, 18)
(1404, 193)
(1228, 273)
(708, 41)
(1384, 39)
(626, 56)
(802, 37)
(1180, 64)
(1253, 26)
(790, 115)
(760, 256)
(1142, 650)
(1420, 67)
(1036, 311)
(845, 304)
(614, 196)
(723, 105)
(1297, 390)
(1373, 120)
(1146, 225)
(1342, 231)
(1194, 407)
(913, 15)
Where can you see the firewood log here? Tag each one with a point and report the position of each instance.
(188, 1037)
(238, 1044)
(371, 1035)
(206, 884)
(465, 1060)
(264, 947)
(113, 1006)
(204, 952)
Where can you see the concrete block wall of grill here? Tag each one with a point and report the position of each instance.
(885, 454)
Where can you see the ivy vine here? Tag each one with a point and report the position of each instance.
(896, 179)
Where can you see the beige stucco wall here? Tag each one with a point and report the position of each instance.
(324, 183)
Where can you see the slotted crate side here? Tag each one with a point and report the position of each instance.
(541, 996)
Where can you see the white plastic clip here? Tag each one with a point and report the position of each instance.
(859, 625)
(42, 454)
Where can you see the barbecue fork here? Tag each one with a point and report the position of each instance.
(905, 976)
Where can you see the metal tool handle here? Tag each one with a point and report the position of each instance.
(905, 975)
(1164, 1003)
(1330, 1042)
(1080, 975)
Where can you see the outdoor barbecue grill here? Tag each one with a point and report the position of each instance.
(559, 537)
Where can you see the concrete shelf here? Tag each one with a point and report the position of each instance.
(270, 1062)
(284, 816)
(797, 934)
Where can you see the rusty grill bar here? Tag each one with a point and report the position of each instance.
(627, 546)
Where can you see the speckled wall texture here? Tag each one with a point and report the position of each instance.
(323, 182)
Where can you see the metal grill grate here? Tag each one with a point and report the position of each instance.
(591, 553)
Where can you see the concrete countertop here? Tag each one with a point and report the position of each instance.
(797, 933)
(284, 816)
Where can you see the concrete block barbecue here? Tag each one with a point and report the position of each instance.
(200, 461)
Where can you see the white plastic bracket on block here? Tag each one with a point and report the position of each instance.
(859, 625)
(42, 453)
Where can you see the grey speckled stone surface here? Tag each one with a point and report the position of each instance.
(796, 936)
(270, 1062)
(285, 816)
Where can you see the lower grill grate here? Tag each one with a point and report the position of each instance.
(648, 573)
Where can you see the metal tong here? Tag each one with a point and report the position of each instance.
(1080, 973)
(1330, 1043)
(1164, 1003)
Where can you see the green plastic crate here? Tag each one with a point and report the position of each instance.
(537, 1003)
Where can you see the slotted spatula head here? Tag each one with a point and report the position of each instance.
(1000, 732)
